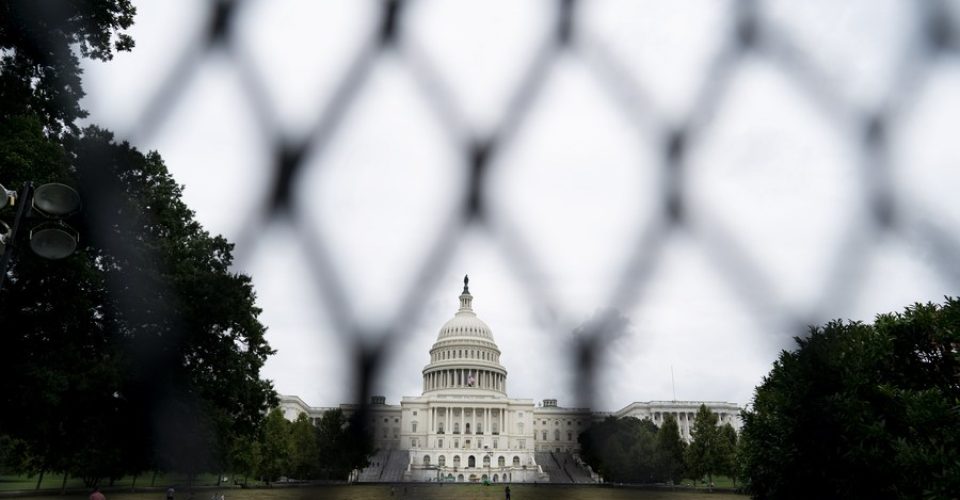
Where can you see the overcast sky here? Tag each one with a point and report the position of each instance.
(578, 181)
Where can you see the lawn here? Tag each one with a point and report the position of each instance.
(425, 492)
(53, 481)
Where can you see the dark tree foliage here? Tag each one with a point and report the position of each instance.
(861, 411)
(39, 71)
(140, 350)
(343, 444)
(670, 451)
(706, 454)
(330, 450)
(622, 450)
(727, 441)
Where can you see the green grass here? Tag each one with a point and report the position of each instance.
(425, 492)
(52, 481)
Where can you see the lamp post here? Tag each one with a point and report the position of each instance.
(52, 238)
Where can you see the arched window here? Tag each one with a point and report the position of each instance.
(516, 461)
(456, 460)
(466, 428)
(556, 435)
(456, 427)
(426, 460)
(442, 461)
(501, 461)
(460, 478)
(486, 460)
(495, 477)
(471, 461)
(544, 435)
(439, 427)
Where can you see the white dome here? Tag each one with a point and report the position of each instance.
(465, 325)
(465, 360)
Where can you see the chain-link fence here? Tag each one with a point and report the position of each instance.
(865, 128)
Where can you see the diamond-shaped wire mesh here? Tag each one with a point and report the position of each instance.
(680, 197)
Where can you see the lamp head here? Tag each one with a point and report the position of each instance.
(53, 240)
(56, 199)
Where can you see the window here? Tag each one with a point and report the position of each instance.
(521, 443)
(440, 443)
(516, 461)
(439, 427)
(456, 443)
(426, 460)
(544, 435)
(413, 426)
(456, 427)
(414, 413)
(495, 444)
(486, 461)
(501, 461)
(396, 420)
(569, 436)
(442, 461)
(556, 435)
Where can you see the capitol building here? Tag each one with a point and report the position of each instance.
(464, 426)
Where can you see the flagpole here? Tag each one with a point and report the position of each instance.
(673, 382)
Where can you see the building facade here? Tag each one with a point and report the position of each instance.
(464, 426)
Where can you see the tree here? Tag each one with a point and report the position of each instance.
(703, 455)
(305, 449)
(275, 447)
(861, 411)
(621, 449)
(39, 72)
(727, 451)
(343, 444)
(670, 451)
(142, 349)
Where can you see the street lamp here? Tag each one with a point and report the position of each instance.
(50, 239)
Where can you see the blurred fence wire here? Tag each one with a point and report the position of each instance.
(750, 35)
